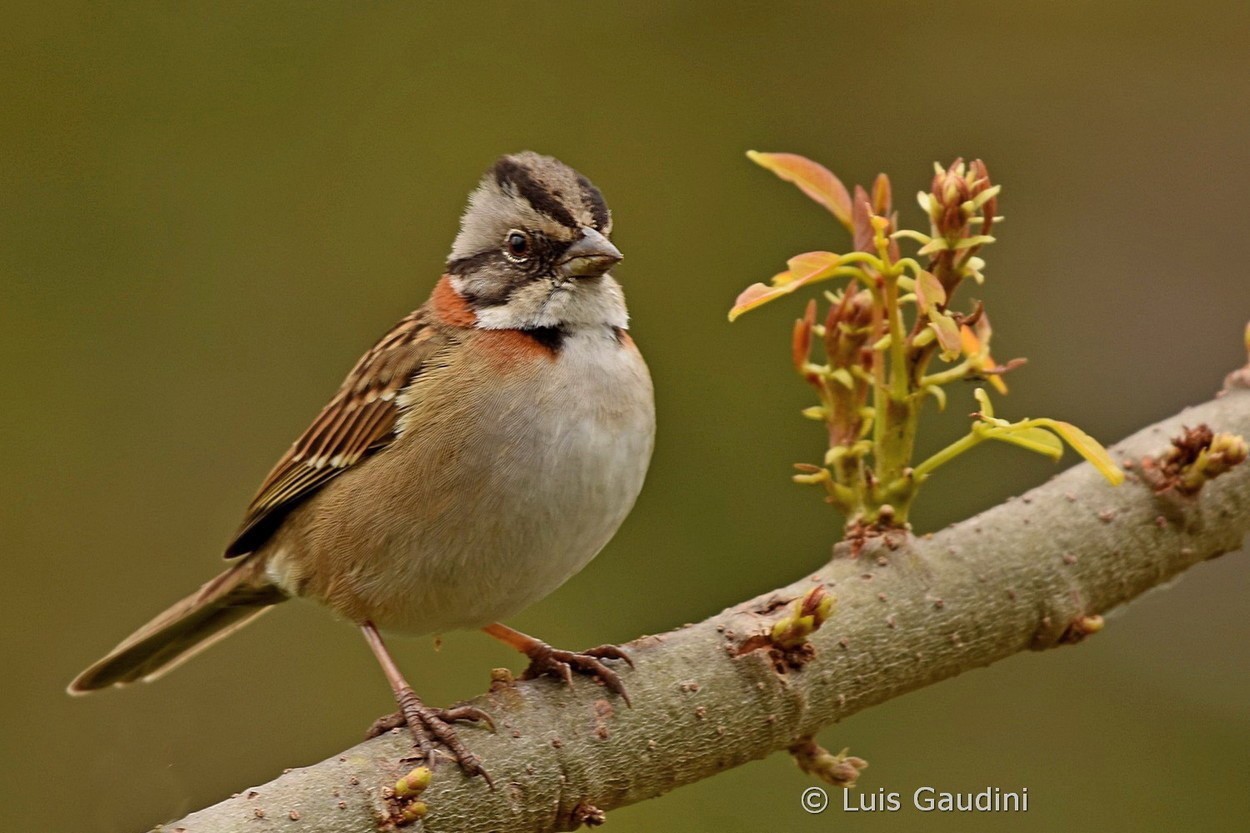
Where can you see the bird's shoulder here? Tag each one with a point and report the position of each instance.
(360, 419)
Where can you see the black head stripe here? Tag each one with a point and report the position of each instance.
(509, 172)
(465, 265)
(594, 201)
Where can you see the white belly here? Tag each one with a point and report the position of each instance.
(494, 523)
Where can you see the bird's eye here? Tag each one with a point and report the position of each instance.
(518, 244)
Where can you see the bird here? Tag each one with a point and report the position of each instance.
(482, 452)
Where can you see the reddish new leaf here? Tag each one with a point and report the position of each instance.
(814, 179)
(811, 266)
(881, 199)
(806, 268)
(757, 294)
(801, 346)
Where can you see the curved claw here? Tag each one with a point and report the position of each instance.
(386, 723)
(429, 725)
(549, 661)
(436, 722)
(611, 652)
(470, 714)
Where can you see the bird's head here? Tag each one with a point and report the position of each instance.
(533, 249)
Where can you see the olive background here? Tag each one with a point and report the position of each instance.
(209, 210)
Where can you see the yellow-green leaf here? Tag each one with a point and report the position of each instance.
(985, 196)
(929, 291)
(814, 179)
(1087, 447)
(937, 244)
(983, 399)
(1038, 440)
(973, 242)
(911, 234)
(947, 332)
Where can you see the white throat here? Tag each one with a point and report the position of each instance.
(575, 303)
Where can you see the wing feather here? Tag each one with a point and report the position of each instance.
(357, 422)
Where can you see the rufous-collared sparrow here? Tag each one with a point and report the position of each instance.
(480, 454)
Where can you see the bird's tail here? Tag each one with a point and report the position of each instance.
(215, 611)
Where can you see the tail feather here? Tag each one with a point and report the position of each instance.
(216, 610)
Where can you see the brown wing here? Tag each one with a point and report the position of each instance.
(358, 421)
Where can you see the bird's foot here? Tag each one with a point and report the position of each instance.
(430, 726)
(545, 660)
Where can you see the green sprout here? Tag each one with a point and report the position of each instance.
(885, 329)
(803, 619)
(407, 794)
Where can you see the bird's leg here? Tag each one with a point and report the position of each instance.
(427, 725)
(552, 661)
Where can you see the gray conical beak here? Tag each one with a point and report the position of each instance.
(590, 255)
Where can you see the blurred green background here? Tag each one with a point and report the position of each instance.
(209, 211)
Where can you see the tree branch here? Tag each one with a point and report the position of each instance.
(1024, 575)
